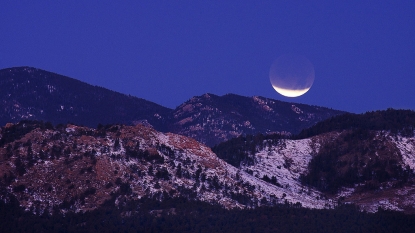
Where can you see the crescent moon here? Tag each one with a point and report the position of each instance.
(290, 93)
(291, 75)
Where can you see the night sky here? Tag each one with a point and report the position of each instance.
(169, 51)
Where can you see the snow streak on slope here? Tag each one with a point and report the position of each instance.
(228, 175)
(287, 161)
(407, 148)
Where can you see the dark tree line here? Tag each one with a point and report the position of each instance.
(243, 148)
(18, 130)
(395, 121)
(182, 215)
(356, 156)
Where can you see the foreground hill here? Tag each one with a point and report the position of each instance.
(75, 168)
(34, 94)
(364, 165)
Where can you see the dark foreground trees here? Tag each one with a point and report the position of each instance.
(181, 215)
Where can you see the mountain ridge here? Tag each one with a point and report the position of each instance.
(212, 119)
(34, 94)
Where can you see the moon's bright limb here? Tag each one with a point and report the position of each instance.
(290, 93)
(291, 75)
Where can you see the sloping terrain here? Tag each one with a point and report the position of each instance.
(365, 166)
(77, 169)
(32, 94)
(364, 159)
(212, 119)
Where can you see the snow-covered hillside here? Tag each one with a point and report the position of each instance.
(78, 169)
(286, 162)
(75, 168)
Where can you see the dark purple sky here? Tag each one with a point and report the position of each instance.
(168, 51)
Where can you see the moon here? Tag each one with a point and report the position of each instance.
(291, 75)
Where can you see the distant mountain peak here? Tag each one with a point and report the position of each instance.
(212, 119)
(30, 93)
